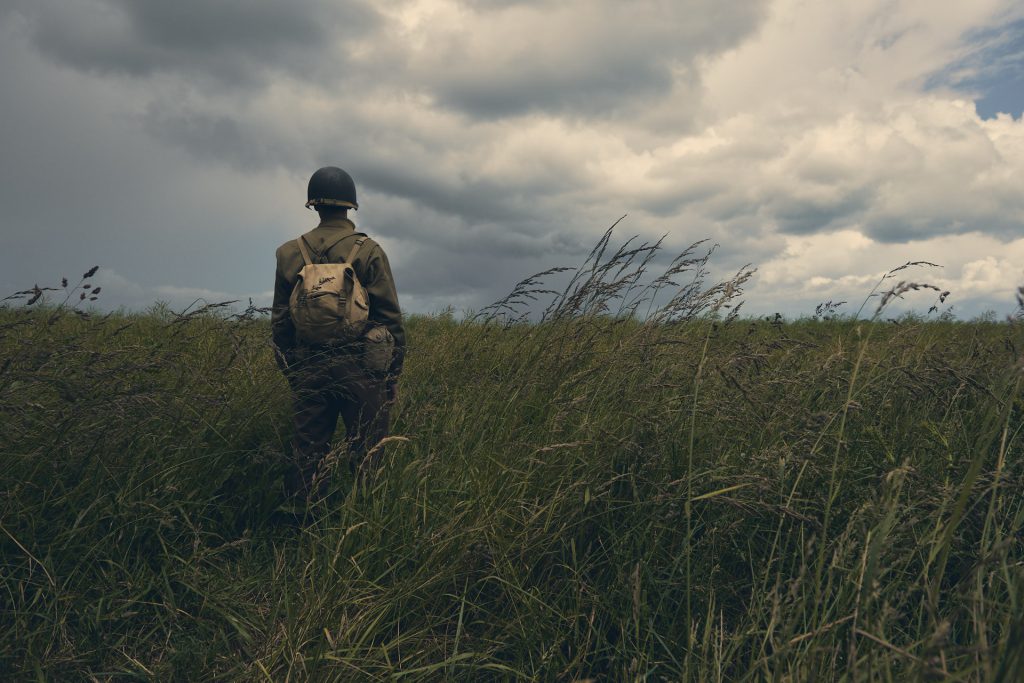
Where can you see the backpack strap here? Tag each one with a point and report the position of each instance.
(304, 248)
(355, 249)
(327, 250)
(301, 241)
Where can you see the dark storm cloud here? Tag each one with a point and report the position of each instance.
(82, 184)
(227, 42)
(797, 216)
(898, 229)
(597, 64)
(615, 87)
(592, 59)
(475, 201)
(441, 261)
(220, 139)
(418, 175)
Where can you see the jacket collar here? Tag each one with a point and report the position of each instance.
(336, 223)
(329, 233)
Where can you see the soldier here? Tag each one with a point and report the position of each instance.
(352, 375)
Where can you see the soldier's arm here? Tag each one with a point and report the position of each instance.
(384, 308)
(281, 326)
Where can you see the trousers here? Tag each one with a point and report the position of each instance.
(325, 386)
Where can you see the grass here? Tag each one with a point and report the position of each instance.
(584, 496)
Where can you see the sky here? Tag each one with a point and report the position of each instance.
(823, 142)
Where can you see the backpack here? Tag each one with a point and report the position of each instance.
(328, 303)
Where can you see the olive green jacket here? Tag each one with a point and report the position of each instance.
(372, 269)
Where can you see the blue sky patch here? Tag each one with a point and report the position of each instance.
(992, 72)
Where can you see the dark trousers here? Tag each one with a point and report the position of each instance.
(324, 386)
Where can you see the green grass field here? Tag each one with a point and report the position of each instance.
(698, 498)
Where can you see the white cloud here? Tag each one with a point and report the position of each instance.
(979, 271)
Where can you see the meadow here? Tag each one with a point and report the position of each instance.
(632, 482)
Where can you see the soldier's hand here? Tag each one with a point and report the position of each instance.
(392, 391)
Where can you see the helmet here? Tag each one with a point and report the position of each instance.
(331, 186)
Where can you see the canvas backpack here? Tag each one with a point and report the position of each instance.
(328, 302)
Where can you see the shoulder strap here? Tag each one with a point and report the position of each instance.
(322, 253)
(355, 249)
(327, 250)
(304, 248)
(301, 241)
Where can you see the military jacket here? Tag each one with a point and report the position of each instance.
(372, 269)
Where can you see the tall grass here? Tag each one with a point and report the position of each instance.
(614, 479)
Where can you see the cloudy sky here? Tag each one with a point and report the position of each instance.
(823, 141)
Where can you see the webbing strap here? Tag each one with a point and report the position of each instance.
(301, 241)
(327, 250)
(355, 250)
(304, 248)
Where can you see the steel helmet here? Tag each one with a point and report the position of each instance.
(331, 186)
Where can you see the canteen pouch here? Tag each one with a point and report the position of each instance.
(378, 349)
